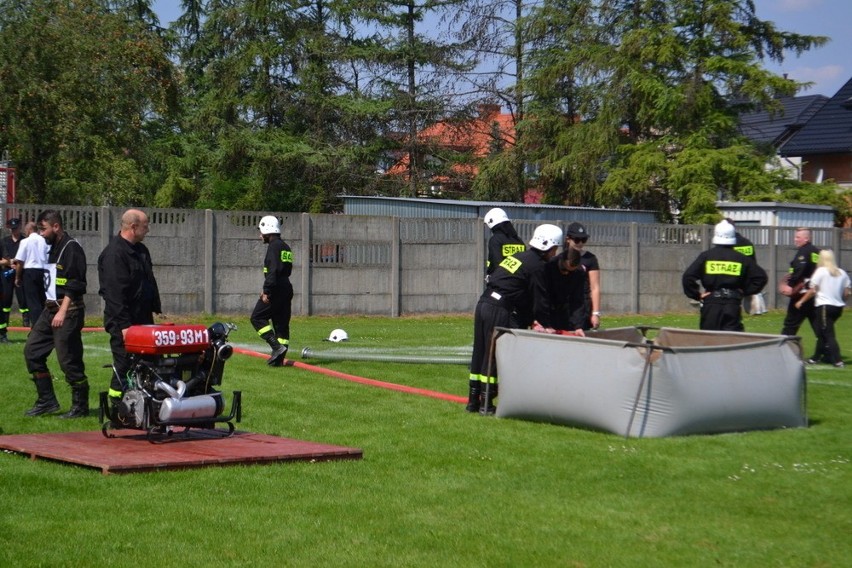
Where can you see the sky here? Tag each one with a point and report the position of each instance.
(828, 67)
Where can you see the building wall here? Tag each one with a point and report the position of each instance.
(210, 261)
(837, 167)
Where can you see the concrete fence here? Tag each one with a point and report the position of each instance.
(211, 261)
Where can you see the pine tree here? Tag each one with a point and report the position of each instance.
(637, 101)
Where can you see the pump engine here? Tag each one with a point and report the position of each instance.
(174, 372)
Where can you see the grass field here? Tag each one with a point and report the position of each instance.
(436, 486)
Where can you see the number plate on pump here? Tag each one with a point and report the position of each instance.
(166, 339)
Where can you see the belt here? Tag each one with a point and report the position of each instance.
(53, 306)
(497, 299)
(727, 294)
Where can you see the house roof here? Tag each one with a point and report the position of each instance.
(776, 128)
(829, 131)
(476, 136)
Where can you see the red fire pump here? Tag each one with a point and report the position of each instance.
(174, 372)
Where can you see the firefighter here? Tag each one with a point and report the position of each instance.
(516, 285)
(271, 315)
(755, 305)
(504, 240)
(8, 251)
(727, 276)
(795, 284)
(60, 324)
(129, 289)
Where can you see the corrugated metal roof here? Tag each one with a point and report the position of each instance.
(444, 208)
(774, 214)
(765, 127)
(829, 131)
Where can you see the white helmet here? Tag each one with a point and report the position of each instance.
(546, 237)
(269, 225)
(494, 217)
(338, 335)
(724, 234)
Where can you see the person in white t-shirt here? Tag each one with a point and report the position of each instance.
(29, 270)
(831, 286)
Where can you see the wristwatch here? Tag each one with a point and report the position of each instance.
(596, 314)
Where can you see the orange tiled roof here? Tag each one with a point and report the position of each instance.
(475, 136)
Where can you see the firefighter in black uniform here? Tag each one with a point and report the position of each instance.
(727, 277)
(755, 305)
(795, 284)
(129, 289)
(8, 251)
(516, 285)
(271, 315)
(61, 322)
(504, 240)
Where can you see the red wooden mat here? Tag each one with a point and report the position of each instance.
(130, 451)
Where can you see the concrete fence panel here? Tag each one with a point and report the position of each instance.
(211, 261)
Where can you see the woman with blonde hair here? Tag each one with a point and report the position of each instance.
(831, 286)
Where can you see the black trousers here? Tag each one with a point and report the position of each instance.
(796, 316)
(10, 292)
(66, 339)
(33, 287)
(722, 315)
(120, 360)
(486, 317)
(827, 348)
(277, 311)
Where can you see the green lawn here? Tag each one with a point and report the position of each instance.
(436, 486)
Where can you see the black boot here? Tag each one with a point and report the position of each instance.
(279, 350)
(473, 396)
(79, 401)
(26, 319)
(46, 402)
(489, 396)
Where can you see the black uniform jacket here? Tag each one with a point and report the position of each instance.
(567, 295)
(277, 266)
(70, 261)
(9, 247)
(504, 242)
(803, 264)
(723, 269)
(518, 284)
(127, 284)
(744, 245)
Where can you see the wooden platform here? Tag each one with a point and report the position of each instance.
(130, 451)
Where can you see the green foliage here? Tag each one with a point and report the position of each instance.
(78, 85)
(497, 177)
(435, 483)
(653, 91)
(282, 105)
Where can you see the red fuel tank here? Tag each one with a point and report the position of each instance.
(165, 339)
